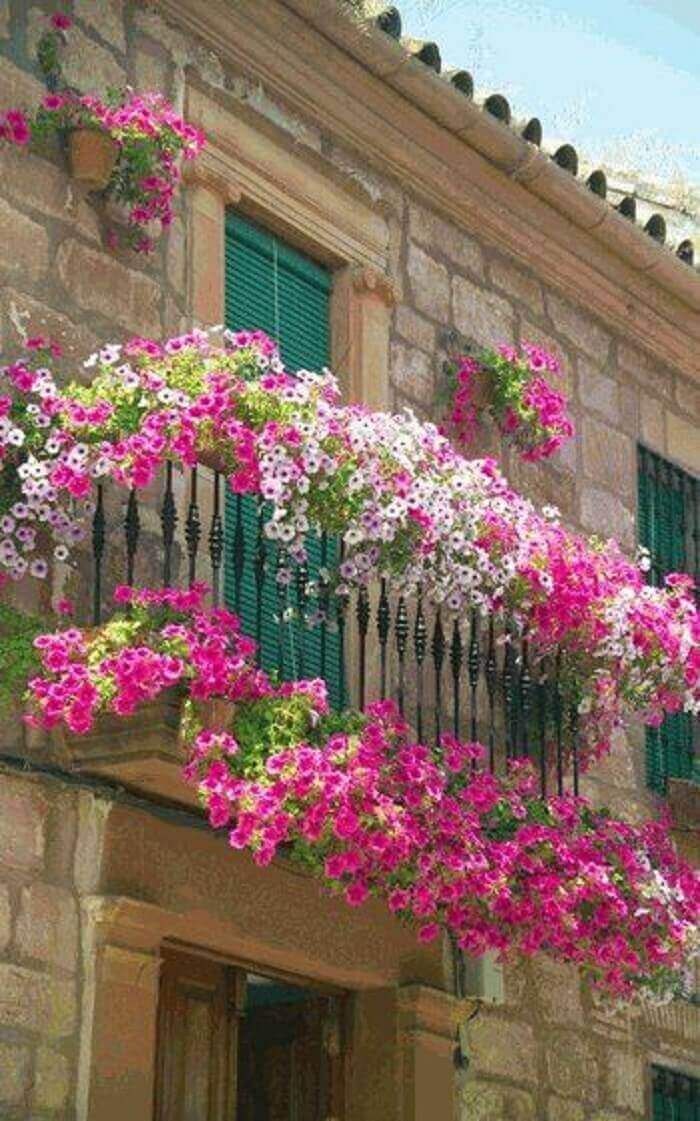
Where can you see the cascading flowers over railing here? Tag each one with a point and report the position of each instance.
(446, 844)
(407, 505)
(508, 384)
(127, 144)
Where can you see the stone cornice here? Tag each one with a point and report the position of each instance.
(409, 124)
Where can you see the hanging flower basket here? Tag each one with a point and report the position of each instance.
(92, 155)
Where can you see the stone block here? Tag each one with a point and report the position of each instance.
(517, 283)
(652, 423)
(36, 1002)
(5, 917)
(150, 66)
(572, 1067)
(22, 824)
(609, 458)
(502, 1047)
(415, 329)
(688, 397)
(97, 282)
(560, 1109)
(482, 1101)
(82, 58)
(47, 926)
(4, 19)
(435, 233)
(25, 247)
(412, 373)
(15, 1074)
(558, 989)
(624, 1078)
(651, 374)
(683, 441)
(579, 328)
(605, 515)
(480, 314)
(429, 283)
(51, 1079)
(37, 318)
(597, 391)
(30, 181)
(18, 87)
(106, 17)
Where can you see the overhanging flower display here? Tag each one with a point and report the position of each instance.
(407, 505)
(442, 841)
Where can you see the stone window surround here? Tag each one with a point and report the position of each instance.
(250, 166)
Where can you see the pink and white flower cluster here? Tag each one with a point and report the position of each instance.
(446, 844)
(508, 383)
(406, 504)
(453, 847)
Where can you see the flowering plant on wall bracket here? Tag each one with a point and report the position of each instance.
(127, 144)
(407, 505)
(446, 844)
(508, 383)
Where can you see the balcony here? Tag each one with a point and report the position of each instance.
(469, 677)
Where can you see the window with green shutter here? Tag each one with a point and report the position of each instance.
(669, 527)
(271, 286)
(675, 1096)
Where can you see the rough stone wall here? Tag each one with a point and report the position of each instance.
(549, 1052)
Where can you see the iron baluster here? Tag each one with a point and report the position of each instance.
(132, 529)
(259, 567)
(573, 722)
(473, 674)
(216, 540)
(301, 584)
(491, 683)
(525, 698)
(324, 602)
(438, 652)
(281, 596)
(508, 681)
(98, 548)
(363, 616)
(541, 693)
(383, 627)
(168, 523)
(238, 555)
(401, 643)
(558, 723)
(420, 637)
(456, 655)
(193, 529)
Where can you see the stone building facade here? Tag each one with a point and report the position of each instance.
(433, 215)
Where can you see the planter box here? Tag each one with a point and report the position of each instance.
(142, 752)
(92, 155)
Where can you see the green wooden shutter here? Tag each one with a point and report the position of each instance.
(273, 287)
(675, 1096)
(667, 526)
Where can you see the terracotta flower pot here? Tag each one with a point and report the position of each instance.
(92, 156)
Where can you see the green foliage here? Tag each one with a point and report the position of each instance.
(18, 658)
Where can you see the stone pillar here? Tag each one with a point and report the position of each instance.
(363, 299)
(428, 1020)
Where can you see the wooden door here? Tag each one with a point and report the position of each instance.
(197, 1032)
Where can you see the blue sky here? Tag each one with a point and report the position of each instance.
(620, 79)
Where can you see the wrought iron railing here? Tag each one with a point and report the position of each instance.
(473, 677)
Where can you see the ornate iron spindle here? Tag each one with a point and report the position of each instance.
(573, 724)
(341, 605)
(420, 638)
(557, 712)
(238, 557)
(491, 683)
(281, 596)
(301, 581)
(401, 643)
(193, 529)
(541, 695)
(216, 540)
(473, 660)
(383, 627)
(363, 616)
(438, 649)
(508, 683)
(259, 567)
(168, 524)
(98, 549)
(132, 529)
(525, 698)
(456, 655)
(324, 602)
